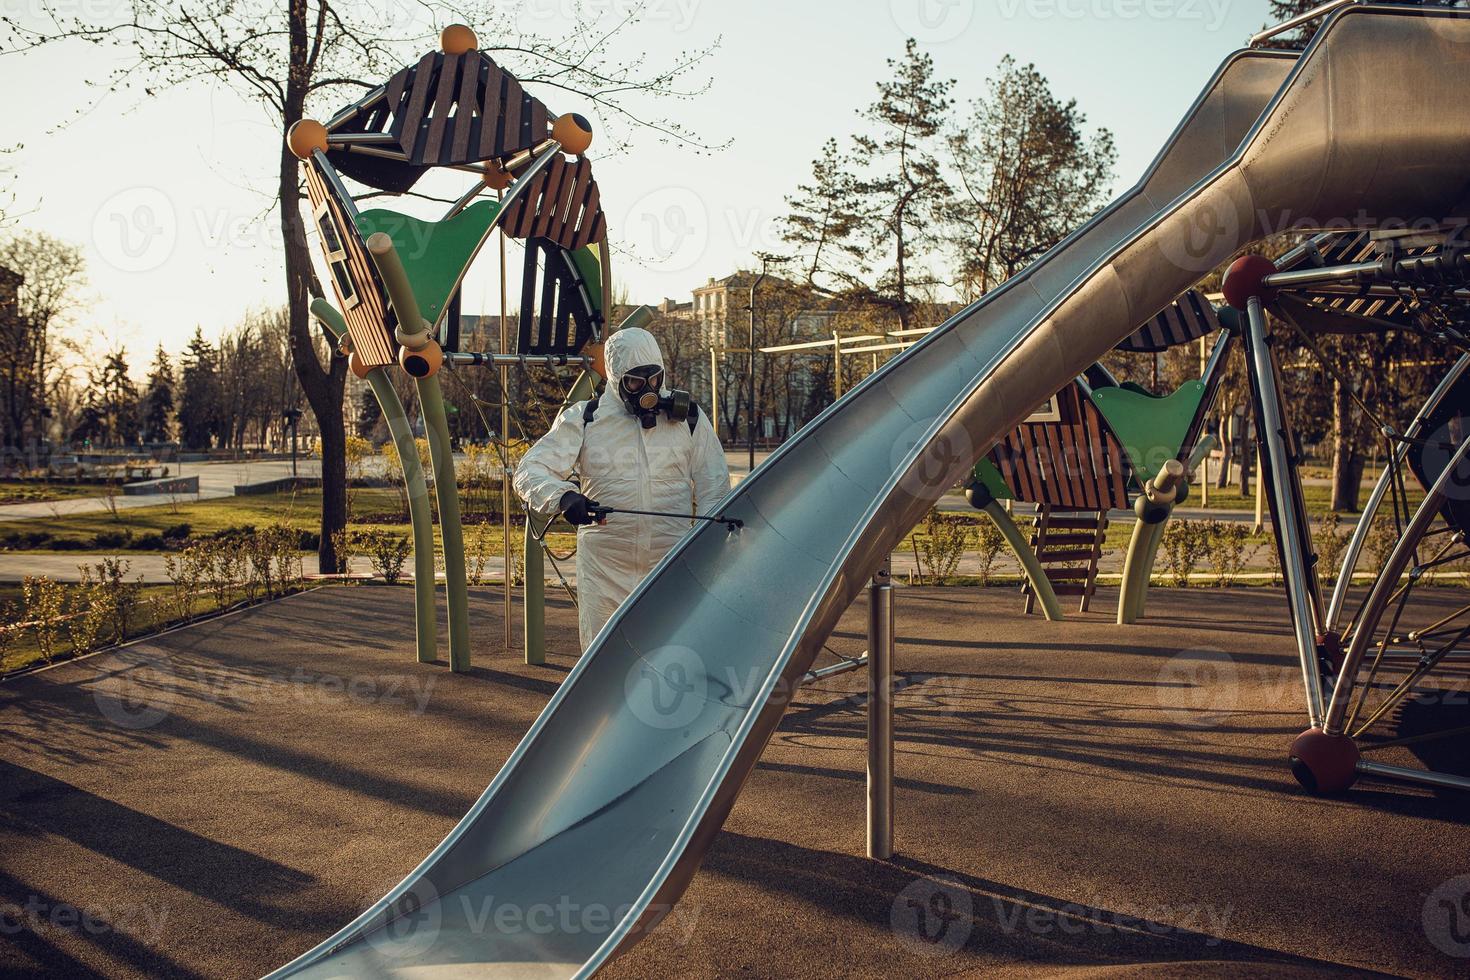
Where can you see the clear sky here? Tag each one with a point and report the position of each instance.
(170, 195)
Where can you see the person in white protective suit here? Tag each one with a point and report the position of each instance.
(621, 450)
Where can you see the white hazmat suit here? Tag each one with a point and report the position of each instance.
(621, 464)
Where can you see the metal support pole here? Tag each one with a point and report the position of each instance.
(880, 716)
(836, 365)
(421, 520)
(750, 423)
(505, 494)
(714, 391)
(1292, 533)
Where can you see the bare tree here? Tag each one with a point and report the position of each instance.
(1025, 176)
(51, 275)
(295, 58)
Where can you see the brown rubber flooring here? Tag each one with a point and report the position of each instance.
(1073, 798)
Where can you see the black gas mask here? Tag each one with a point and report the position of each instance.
(641, 389)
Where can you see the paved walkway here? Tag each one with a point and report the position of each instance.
(1073, 799)
(216, 479)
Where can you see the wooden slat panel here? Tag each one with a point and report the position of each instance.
(439, 118)
(416, 105)
(515, 97)
(1065, 554)
(1085, 521)
(468, 112)
(1068, 573)
(367, 318)
(1031, 460)
(491, 81)
(1068, 538)
(1071, 588)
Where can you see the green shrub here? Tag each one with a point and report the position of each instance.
(989, 543)
(1329, 540)
(1185, 543)
(112, 539)
(941, 545)
(90, 610)
(123, 595)
(43, 598)
(184, 569)
(1225, 544)
(387, 551)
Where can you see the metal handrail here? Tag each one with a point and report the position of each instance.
(1299, 20)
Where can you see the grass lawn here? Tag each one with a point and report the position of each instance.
(33, 492)
(301, 509)
(156, 611)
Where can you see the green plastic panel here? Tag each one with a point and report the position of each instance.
(1151, 429)
(589, 263)
(434, 253)
(987, 474)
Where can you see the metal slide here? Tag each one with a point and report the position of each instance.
(600, 817)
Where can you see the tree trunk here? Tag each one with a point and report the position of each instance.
(1227, 448)
(1247, 453)
(1346, 476)
(323, 387)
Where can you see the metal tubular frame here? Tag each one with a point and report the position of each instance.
(1293, 538)
(880, 716)
(1384, 589)
(1300, 19)
(1380, 490)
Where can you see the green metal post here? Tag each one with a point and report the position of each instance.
(414, 332)
(426, 640)
(1035, 574)
(446, 490)
(1138, 566)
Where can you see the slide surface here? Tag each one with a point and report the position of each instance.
(600, 817)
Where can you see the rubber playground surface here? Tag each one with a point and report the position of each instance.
(1073, 797)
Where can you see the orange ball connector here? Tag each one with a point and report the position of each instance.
(421, 363)
(496, 177)
(355, 365)
(305, 137)
(573, 132)
(458, 39)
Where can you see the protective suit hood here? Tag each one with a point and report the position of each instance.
(629, 348)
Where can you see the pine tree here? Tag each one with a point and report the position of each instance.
(904, 187)
(368, 412)
(825, 219)
(118, 399)
(1025, 176)
(158, 399)
(199, 394)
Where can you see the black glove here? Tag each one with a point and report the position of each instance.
(578, 509)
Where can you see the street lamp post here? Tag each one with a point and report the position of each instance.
(292, 416)
(750, 422)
